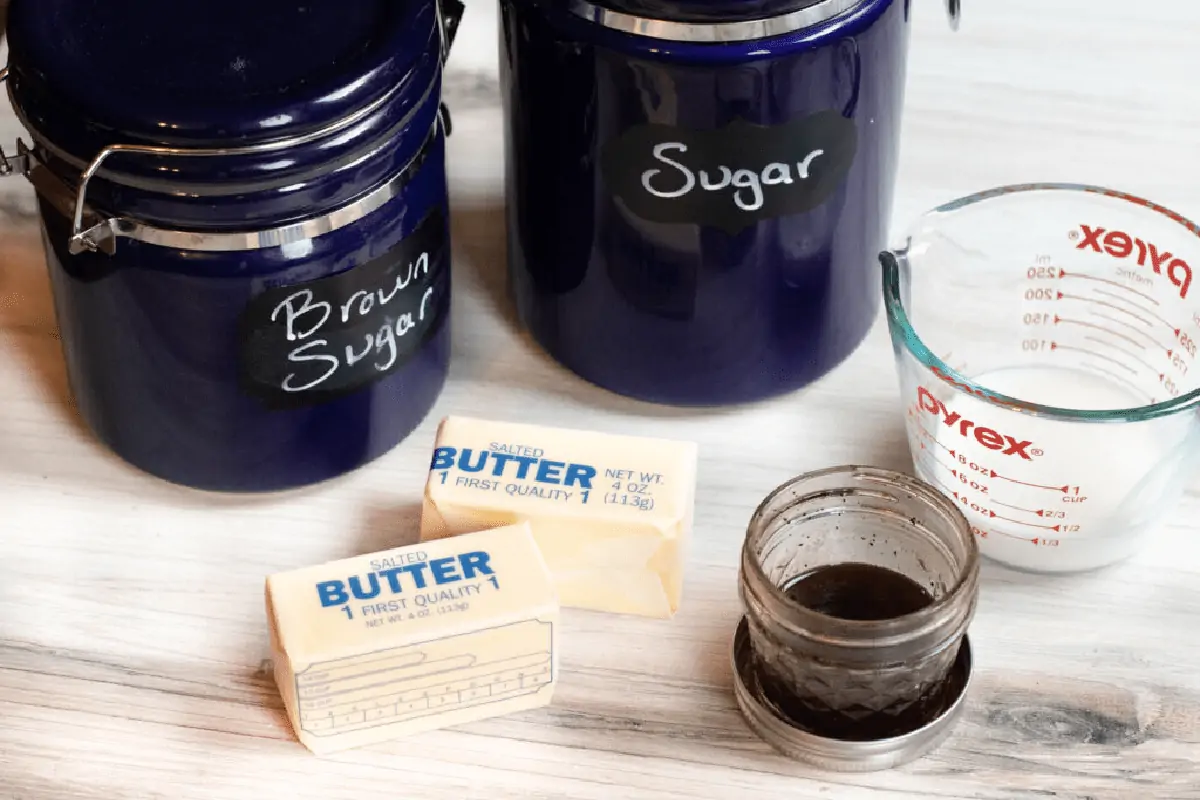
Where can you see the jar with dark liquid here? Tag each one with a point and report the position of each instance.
(859, 584)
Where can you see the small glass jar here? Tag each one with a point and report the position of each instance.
(858, 679)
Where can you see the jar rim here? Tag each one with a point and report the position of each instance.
(906, 625)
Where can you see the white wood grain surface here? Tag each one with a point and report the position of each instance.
(132, 635)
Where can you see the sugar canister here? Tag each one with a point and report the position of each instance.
(698, 190)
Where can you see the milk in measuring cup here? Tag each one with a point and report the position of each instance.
(1044, 494)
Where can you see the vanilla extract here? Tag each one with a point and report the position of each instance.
(858, 592)
(861, 592)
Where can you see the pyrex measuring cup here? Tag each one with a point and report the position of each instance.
(1046, 339)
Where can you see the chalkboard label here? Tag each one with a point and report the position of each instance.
(731, 177)
(309, 343)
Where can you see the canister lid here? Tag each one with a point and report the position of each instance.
(185, 73)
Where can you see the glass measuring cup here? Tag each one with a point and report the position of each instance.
(1046, 341)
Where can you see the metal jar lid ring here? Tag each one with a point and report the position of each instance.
(735, 31)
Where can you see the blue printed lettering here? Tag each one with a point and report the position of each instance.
(372, 584)
(417, 571)
(548, 471)
(392, 576)
(501, 460)
(357, 590)
(527, 466)
(443, 458)
(578, 474)
(523, 465)
(464, 460)
(475, 564)
(443, 570)
(332, 593)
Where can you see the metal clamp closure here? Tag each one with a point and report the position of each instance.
(92, 231)
(449, 15)
(19, 163)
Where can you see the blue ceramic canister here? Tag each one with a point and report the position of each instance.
(244, 209)
(698, 190)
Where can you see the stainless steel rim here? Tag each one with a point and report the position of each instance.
(239, 241)
(834, 754)
(712, 32)
(734, 31)
(104, 230)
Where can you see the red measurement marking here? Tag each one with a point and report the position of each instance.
(1114, 307)
(1064, 274)
(1186, 342)
(974, 506)
(994, 515)
(968, 480)
(987, 512)
(1134, 356)
(1118, 378)
(933, 439)
(1169, 384)
(982, 534)
(1016, 508)
(971, 466)
(1066, 321)
(1125, 324)
(1063, 489)
(1135, 305)
(943, 488)
(1045, 272)
(1177, 361)
(1126, 367)
(937, 460)
(932, 455)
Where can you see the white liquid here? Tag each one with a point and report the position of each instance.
(1086, 494)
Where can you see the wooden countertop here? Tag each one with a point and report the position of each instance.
(133, 648)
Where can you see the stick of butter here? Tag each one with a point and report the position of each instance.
(381, 646)
(611, 514)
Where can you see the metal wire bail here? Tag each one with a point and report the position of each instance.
(94, 232)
